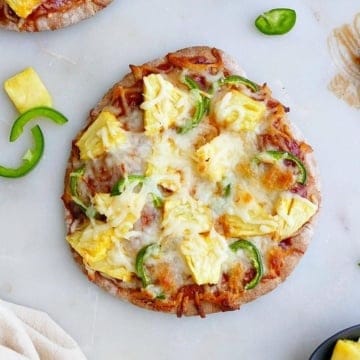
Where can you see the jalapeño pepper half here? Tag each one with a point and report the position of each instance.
(30, 159)
(276, 155)
(74, 180)
(42, 111)
(139, 263)
(254, 255)
(235, 80)
(120, 185)
(201, 106)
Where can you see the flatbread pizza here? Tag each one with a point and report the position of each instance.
(188, 191)
(40, 15)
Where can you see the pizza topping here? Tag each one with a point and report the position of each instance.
(216, 158)
(101, 249)
(276, 21)
(103, 135)
(294, 211)
(168, 165)
(23, 8)
(274, 156)
(75, 178)
(254, 255)
(27, 91)
(201, 106)
(198, 63)
(164, 105)
(145, 252)
(235, 80)
(124, 210)
(237, 111)
(204, 255)
(193, 192)
(185, 215)
(121, 184)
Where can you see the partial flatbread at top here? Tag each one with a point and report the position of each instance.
(280, 258)
(50, 15)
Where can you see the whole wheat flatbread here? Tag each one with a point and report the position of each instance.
(51, 15)
(189, 302)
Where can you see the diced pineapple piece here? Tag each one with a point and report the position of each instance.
(103, 135)
(204, 256)
(164, 105)
(219, 156)
(26, 90)
(294, 211)
(237, 111)
(23, 8)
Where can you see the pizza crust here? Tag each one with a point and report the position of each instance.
(54, 20)
(299, 242)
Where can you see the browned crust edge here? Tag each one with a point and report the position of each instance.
(58, 19)
(299, 242)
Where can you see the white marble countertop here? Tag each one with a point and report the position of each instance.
(79, 64)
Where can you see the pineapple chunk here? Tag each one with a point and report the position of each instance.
(261, 224)
(204, 256)
(248, 217)
(26, 90)
(294, 211)
(346, 350)
(164, 105)
(219, 156)
(103, 135)
(237, 111)
(101, 250)
(23, 8)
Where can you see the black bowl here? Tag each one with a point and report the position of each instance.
(324, 351)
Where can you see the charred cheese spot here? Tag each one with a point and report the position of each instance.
(275, 178)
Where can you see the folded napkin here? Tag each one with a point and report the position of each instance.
(27, 334)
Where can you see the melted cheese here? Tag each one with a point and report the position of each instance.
(124, 210)
(190, 171)
(164, 105)
(103, 135)
(169, 164)
(249, 218)
(184, 215)
(216, 158)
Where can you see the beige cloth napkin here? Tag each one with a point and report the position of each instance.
(27, 334)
